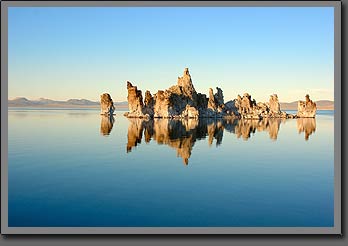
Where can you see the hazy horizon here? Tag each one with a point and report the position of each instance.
(65, 53)
(81, 98)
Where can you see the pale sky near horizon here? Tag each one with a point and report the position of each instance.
(82, 52)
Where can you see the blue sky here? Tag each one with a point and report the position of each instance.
(82, 52)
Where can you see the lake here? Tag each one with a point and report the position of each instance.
(76, 168)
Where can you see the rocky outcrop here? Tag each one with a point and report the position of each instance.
(307, 108)
(211, 101)
(162, 105)
(135, 101)
(247, 108)
(186, 86)
(274, 105)
(182, 101)
(149, 103)
(190, 112)
(106, 105)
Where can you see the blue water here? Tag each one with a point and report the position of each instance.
(76, 168)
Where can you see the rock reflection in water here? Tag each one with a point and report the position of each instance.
(306, 125)
(245, 127)
(106, 124)
(181, 134)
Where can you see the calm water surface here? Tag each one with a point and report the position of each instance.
(77, 168)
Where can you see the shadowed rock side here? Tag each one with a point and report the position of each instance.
(182, 101)
(307, 108)
(306, 125)
(106, 124)
(106, 104)
(181, 134)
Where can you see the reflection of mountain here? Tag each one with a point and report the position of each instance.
(181, 134)
(306, 125)
(106, 124)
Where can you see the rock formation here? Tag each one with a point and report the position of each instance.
(106, 104)
(274, 105)
(135, 101)
(149, 103)
(182, 101)
(211, 101)
(307, 108)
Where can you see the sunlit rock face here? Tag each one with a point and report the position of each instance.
(183, 101)
(215, 105)
(306, 125)
(247, 108)
(274, 106)
(190, 112)
(186, 86)
(106, 124)
(106, 104)
(211, 101)
(178, 101)
(135, 101)
(307, 108)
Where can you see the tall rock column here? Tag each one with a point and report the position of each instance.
(185, 82)
(135, 101)
(211, 101)
(106, 104)
(274, 105)
(149, 103)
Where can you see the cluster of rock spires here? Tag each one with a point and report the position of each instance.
(182, 101)
(306, 109)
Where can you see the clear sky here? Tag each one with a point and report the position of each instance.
(63, 53)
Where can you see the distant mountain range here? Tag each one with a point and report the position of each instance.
(84, 103)
(71, 103)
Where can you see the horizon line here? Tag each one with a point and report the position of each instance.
(62, 100)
